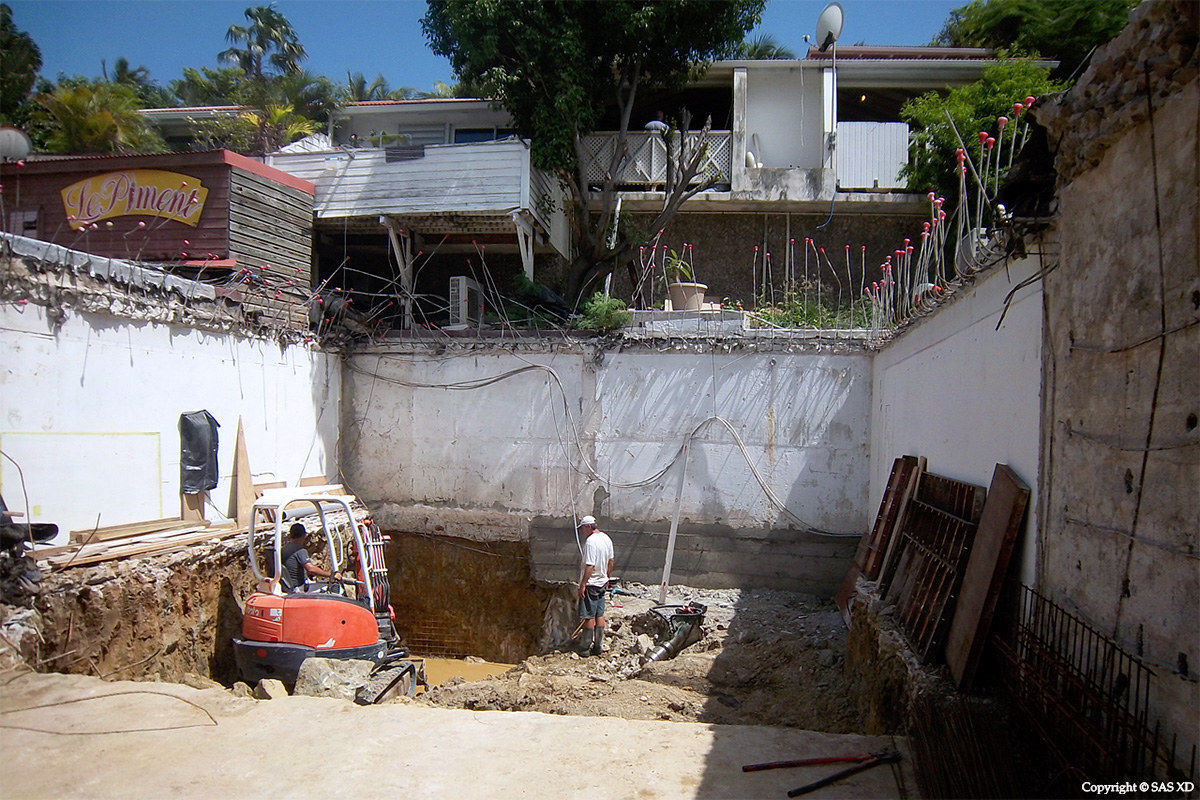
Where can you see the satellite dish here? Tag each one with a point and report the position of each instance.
(14, 144)
(829, 26)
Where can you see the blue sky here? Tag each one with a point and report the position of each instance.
(368, 36)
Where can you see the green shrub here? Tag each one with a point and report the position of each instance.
(603, 314)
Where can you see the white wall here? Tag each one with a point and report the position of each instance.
(783, 107)
(965, 395)
(803, 418)
(91, 413)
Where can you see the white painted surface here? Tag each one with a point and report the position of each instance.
(483, 177)
(784, 112)
(91, 413)
(965, 395)
(803, 419)
(870, 154)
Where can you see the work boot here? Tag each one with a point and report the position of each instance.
(597, 641)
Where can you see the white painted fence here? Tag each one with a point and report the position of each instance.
(870, 154)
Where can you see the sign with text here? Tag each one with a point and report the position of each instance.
(134, 192)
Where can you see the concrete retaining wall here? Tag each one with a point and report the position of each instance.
(963, 394)
(484, 462)
(1121, 510)
(91, 412)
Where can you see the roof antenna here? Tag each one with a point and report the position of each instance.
(829, 28)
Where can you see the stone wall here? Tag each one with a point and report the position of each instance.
(1121, 449)
(723, 244)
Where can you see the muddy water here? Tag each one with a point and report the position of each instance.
(440, 670)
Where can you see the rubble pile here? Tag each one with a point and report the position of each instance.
(765, 657)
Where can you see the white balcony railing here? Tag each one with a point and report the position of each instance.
(647, 163)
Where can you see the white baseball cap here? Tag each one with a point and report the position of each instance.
(588, 520)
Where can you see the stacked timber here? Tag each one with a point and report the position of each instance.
(136, 539)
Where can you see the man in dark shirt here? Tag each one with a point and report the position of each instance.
(296, 561)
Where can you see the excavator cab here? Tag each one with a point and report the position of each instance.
(346, 619)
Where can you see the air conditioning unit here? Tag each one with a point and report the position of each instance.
(466, 303)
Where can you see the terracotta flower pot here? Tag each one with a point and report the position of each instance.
(686, 296)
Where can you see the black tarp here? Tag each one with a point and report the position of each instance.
(197, 452)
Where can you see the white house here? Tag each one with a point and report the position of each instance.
(792, 142)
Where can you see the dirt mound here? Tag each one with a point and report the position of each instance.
(766, 658)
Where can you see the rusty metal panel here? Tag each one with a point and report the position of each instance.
(999, 524)
(869, 557)
(935, 540)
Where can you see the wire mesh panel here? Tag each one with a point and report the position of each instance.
(1087, 696)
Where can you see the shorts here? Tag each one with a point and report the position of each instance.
(591, 605)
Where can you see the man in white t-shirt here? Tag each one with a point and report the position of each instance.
(597, 567)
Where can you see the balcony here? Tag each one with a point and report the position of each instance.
(646, 166)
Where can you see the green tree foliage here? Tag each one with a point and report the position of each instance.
(555, 67)
(357, 90)
(1062, 30)
(149, 93)
(94, 117)
(20, 60)
(282, 101)
(254, 131)
(268, 41)
(973, 108)
(763, 47)
(225, 86)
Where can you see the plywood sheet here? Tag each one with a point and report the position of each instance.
(997, 533)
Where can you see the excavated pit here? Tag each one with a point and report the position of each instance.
(767, 657)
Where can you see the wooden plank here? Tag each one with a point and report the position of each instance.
(132, 529)
(241, 493)
(259, 488)
(191, 506)
(999, 526)
(314, 480)
(166, 545)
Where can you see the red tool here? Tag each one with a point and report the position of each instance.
(806, 762)
(873, 760)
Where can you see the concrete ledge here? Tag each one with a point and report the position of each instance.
(481, 525)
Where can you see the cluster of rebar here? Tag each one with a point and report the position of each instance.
(1087, 696)
(916, 277)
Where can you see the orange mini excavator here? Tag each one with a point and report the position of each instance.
(340, 619)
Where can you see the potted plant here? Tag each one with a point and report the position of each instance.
(682, 290)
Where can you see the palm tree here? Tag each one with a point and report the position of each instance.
(357, 90)
(763, 47)
(269, 38)
(95, 117)
(276, 126)
(20, 60)
(150, 93)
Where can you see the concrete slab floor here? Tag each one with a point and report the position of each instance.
(86, 740)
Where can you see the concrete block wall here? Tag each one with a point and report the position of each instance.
(90, 412)
(486, 462)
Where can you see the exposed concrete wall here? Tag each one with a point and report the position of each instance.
(783, 109)
(1121, 509)
(485, 463)
(91, 412)
(964, 395)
